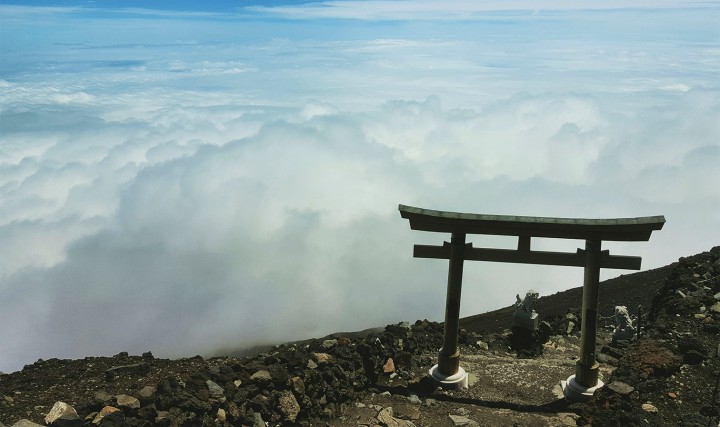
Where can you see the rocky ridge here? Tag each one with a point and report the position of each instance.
(667, 377)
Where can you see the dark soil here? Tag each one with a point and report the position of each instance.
(668, 377)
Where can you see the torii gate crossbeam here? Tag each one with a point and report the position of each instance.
(585, 381)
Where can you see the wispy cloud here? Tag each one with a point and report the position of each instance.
(439, 10)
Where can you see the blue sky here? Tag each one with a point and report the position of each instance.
(198, 175)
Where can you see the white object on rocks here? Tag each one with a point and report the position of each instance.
(60, 413)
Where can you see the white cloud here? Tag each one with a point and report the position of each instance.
(185, 206)
(238, 242)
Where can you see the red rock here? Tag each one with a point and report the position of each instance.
(389, 366)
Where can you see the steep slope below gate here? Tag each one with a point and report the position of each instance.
(345, 381)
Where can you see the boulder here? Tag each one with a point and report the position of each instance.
(216, 392)
(146, 393)
(63, 415)
(288, 406)
(125, 401)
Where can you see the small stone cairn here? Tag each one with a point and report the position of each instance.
(528, 334)
(525, 315)
(624, 328)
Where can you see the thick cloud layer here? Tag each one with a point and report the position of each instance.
(189, 196)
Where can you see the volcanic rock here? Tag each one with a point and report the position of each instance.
(146, 393)
(288, 406)
(104, 412)
(649, 407)
(386, 418)
(389, 366)
(322, 358)
(125, 401)
(102, 396)
(621, 388)
(63, 415)
(217, 392)
(261, 376)
(460, 420)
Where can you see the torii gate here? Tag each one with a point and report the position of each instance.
(583, 384)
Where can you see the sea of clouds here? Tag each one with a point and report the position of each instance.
(182, 184)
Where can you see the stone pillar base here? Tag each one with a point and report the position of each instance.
(458, 380)
(577, 392)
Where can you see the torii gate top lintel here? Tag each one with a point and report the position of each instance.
(613, 229)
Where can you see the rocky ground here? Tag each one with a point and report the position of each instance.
(667, 377)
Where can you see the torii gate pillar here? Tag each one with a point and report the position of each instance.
(448, 371)
(583, 384)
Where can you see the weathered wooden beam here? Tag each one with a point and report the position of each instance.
(569, 259)
(614, 229)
